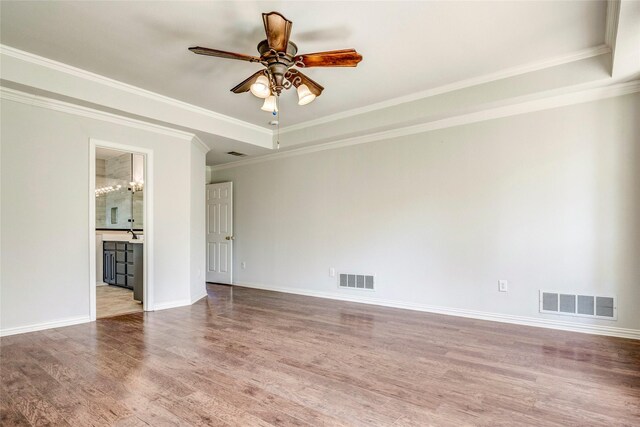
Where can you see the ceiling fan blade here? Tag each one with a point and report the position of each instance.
(332, 58)
(297, 78)
(222, 54)
(246, 85)
(278, 29)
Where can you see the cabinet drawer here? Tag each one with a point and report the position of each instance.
(121, 256)
(121, 268)
(121, 279)
(109, 245)
(121, 246)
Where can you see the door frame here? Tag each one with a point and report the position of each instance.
(147, 215)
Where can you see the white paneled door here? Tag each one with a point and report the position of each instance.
(219, 232)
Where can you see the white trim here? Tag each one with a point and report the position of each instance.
(611, 29)
(78, 72)
(172, 304)
(147, 253)
(66, 107)
(472, 314)
(199, 297)
(200, 145)
(462, 84)
(92, 231)
(45, 325)
(526, 105)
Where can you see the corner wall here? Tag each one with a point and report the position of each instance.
(197, 254)
(45, 214)
(546, 200)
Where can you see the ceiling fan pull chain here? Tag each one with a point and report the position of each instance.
(277, 114)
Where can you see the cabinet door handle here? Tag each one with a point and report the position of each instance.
(229, 238)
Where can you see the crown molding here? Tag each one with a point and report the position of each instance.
(78, 72)
(506, 73)
(525, 105)
(66, 107)
(199, 144)
(462, 84)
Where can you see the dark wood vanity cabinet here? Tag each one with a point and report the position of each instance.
(123, 266)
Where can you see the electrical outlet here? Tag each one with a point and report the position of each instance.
(503, 286)
(243, 264)
(332, 272)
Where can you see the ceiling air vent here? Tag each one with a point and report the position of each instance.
(235, 153)
(356, 281)
(603, 307)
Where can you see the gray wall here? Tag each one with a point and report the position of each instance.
(44, 255)
(546, 200)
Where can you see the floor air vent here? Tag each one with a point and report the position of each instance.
(356, 281)
(603, 307)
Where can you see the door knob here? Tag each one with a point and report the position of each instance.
(229, 238)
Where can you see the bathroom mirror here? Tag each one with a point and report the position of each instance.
(119, 190)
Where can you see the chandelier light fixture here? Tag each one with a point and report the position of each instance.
(107, 189)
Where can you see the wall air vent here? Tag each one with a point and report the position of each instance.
(356, 281)
(235, 153)
(602, 307)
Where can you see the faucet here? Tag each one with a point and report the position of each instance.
(135, 236)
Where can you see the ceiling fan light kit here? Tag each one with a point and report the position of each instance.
(261, 87)
(279, 55)
(304, 95)
(270, 105)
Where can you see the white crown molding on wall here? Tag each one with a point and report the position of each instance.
(78, 72)
(526, 105)
(66, 107)
(463, 84)
(510, 72)
(201, 145)
(472, 314)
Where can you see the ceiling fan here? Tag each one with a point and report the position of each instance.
(278, 55)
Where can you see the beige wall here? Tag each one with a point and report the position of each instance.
(547, 200)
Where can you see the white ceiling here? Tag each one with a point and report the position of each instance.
(407, 46)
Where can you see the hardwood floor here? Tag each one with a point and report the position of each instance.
(258, 358)
(113, 301)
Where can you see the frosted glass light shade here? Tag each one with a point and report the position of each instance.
(304, 95)
(260, 87)
(270, 104)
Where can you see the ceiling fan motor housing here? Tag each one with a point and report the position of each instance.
(277, 63)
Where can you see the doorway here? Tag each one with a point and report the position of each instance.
(120, 229)
(220, 233)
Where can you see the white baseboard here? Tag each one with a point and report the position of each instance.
(171, 304)
(473, 314)
(44, 325)
(198, 297)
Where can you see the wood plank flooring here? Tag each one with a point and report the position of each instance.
(258, 358)
(113, 300)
